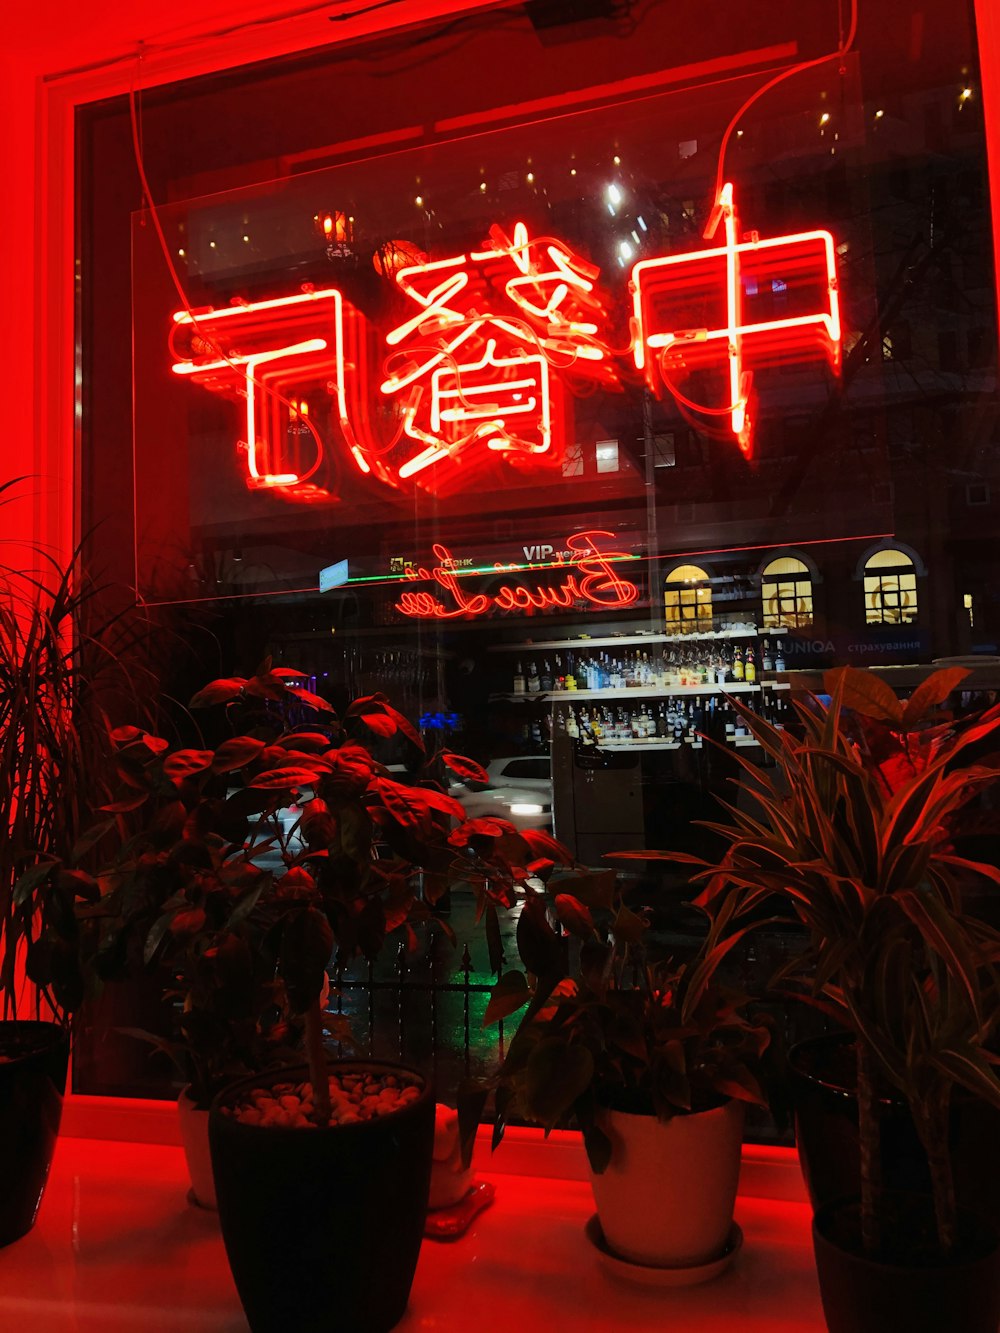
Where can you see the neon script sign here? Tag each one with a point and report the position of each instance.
(594, 581)
(498, 342)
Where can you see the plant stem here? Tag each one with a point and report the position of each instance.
(931, 1118)
(317, 1062)
(868, 1149)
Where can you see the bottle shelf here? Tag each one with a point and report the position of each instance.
(638, 692)
(654, 692)
(659, 743)
(634, 640)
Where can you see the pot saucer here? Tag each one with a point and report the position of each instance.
(652, 1275)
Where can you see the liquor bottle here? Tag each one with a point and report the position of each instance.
(661, 721)
(766, 660)
(559, 676)
(534, 684)
(570, 677)
(519, 680)
(750, 668)
(737, 665)
(779, 658)
(545, 682)
(572, 725)
(728, 720)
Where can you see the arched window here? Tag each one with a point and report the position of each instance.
(890, 588)
(786, 592)
(687, 600)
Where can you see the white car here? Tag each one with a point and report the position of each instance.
(519, 790)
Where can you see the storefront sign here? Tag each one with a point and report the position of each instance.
(594, 582)
(501, 339)
(873, 646)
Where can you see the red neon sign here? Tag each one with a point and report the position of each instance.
(735, 309)
(485, 367)
(498, 332)
(594, 582)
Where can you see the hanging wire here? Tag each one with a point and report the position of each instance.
(843, 46)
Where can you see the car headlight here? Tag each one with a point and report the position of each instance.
(525, 808)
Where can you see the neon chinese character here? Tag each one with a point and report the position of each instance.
(288, 360)
(734, 310)
(500, 332)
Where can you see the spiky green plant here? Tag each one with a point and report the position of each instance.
(55, 756)
(852, 828)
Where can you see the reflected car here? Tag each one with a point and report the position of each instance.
(519, 790)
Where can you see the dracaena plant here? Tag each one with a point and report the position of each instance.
(264, 854)
(57, 669)
(616, 1027)
(853, 828)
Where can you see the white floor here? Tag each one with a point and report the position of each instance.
(117, 1249)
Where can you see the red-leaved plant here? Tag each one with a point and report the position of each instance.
(263, 855)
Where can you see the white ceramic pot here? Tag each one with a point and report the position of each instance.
(194, 1137)
(668, 1193)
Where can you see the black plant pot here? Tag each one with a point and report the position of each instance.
(916, 1292)
(323, 1227)
(826, 1134)
(34, 1057)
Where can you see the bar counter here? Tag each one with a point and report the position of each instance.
(117, 1249)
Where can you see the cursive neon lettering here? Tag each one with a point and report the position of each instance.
(596, 581)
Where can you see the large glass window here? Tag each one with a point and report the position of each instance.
(890, 588)
(786, 594)
(426, 379)
(687, 600)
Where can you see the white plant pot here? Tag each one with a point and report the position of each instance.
(194, 1137)
(668, 1193)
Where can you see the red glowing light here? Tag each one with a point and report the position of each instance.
(595, 582)
(783, 280)
(497, 330)
(482, 369)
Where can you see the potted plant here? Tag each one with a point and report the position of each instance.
(268, 852)
(853, 831)
(54, 750)
(654, 1060)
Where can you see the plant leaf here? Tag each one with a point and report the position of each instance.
(236, 753)
(510, 993)
(930, 693)
(218, 692)
(465, 768)
(865, 693)
(183, 763)
(574, 915)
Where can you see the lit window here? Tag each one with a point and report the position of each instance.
(787, 594)
(607, 455)
(572, 463)
(890, 588)
(687, 600)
